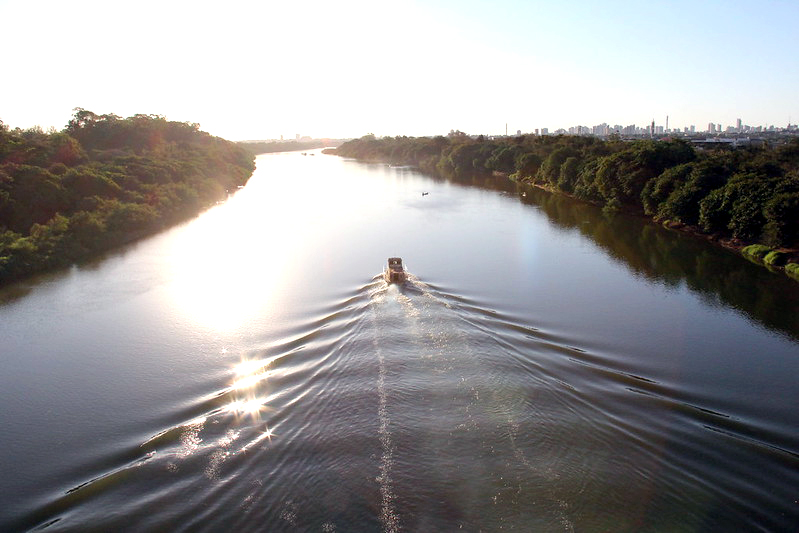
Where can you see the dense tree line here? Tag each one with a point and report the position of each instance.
(750, 194)
(104, 181)
(269, 147)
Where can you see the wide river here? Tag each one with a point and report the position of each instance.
(545, 368)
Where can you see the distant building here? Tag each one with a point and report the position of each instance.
(601, 130)
(544, 131)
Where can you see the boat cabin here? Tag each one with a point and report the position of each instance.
(395, 273)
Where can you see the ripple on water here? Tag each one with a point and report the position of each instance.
(415, 408)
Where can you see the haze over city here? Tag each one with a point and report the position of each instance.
(258, 70)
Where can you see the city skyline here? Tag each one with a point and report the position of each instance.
(604, 129)
(247, 69)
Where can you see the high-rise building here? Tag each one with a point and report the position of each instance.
(738, 125)
(711, 128)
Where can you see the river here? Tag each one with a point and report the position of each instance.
(545, 368)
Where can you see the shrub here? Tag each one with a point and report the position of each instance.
(782, 219)
(757, 251)
(775, 258)
(792, 269)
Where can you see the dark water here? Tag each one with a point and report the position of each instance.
(544, 369)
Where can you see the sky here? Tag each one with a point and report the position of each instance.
(247, 69)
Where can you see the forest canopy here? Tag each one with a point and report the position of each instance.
(104, 181)
(750, 194)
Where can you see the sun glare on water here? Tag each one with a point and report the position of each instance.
(228, 264)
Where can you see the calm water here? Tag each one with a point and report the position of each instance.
(545, 369)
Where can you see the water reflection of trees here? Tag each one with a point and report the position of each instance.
(672, 258)
(721, 277)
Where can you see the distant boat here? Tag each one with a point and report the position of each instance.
(425, 193)
(394, 272)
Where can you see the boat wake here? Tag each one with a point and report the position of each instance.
(399, 407)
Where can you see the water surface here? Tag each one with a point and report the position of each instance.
(545, 368)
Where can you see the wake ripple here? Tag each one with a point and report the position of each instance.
(415, 408)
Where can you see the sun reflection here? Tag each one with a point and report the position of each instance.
(228, 263)
(249, 381)
(250, 366)
(250, 372)
(251, 407)
(263, 435)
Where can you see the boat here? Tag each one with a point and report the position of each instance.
(394, 272)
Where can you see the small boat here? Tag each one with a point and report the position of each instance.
(394, 273)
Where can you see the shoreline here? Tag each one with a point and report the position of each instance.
(729, 243)
(788, 256)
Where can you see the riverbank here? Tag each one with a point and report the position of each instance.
(786, 260)
(734, 198)
(104, 182)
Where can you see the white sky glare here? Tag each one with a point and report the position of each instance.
(248, 69)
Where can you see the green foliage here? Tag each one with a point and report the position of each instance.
(657, 191)
(775, 258)
(527, 165)
(714, 214)
(782, 219)
(683, 203)
(549, 172)
(748, 194)
(504, 158)
(103, 181)
(792, 269)
(756, 251)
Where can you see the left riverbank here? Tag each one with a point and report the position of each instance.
(104, 181)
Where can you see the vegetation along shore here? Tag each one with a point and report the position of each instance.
(102, 182)
(745, 198)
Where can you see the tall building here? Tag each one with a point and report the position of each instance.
(738, 125)
(711, 128)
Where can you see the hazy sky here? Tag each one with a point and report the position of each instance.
(247, 69)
